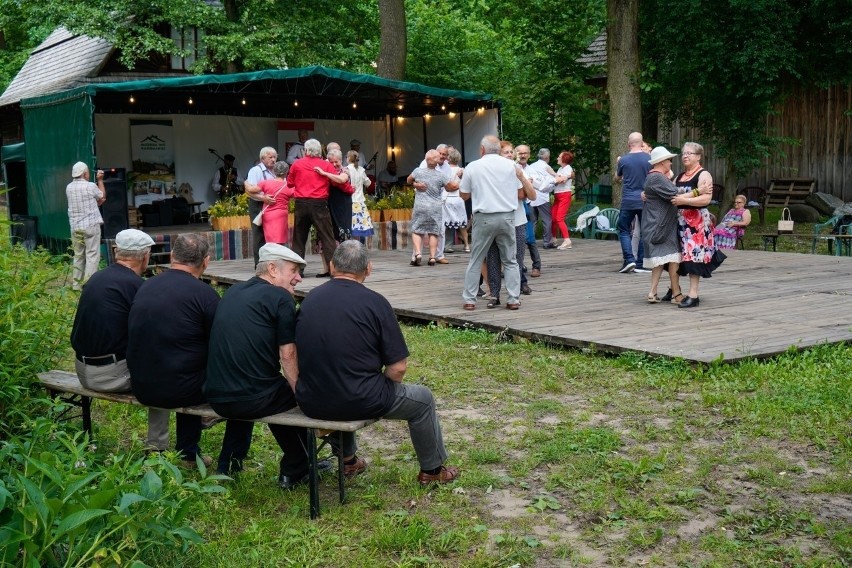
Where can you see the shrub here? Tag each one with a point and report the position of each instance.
(63, 504)
(35, 322)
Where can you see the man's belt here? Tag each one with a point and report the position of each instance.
(101, 360)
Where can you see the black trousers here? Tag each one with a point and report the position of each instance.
(257, 239)
(313, 212)
(290, 439)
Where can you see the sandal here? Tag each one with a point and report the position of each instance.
(466, 249)
(667, 297)
(432, 262)
(677, 298)
(493, 303)
(416, 259)
(653, 299)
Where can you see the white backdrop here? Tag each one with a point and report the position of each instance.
(245, 136)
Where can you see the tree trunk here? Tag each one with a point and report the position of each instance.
(393, 42)
(622, 57)
(232, 14)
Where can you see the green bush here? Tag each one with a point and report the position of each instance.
(35, 322)
(64, 504)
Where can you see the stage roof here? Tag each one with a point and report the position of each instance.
(307, 92)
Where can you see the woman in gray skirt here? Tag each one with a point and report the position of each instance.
(659, 225)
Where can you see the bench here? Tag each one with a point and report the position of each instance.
(843, 241)
(63, 382)
(786, 192)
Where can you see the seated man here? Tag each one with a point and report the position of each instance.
(352, 359)
(251, 342)
(169, 327)
(99, 335)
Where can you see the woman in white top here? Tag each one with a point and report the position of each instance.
(362, 223)
(455, 215)
(562, 192)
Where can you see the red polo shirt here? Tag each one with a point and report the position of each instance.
(307, 183)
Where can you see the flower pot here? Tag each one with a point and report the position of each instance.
(231, 223)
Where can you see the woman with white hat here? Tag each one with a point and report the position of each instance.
(659, 225)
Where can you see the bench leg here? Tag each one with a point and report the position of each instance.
(341, 487)
(84, 403)
(313, 476)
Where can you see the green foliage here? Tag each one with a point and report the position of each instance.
(34, 324)
(724, 83)
(62, 503)
(397, 198)
(230, 207)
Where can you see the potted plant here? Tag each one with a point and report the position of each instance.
(397, 205)
(230, 214)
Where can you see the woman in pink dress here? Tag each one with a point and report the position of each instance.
(276, 207)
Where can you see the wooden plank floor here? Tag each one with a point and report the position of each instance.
(756, 305)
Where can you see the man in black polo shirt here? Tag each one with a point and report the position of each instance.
(169, 327)
(99, 334)
(251, 342)
(352, 359)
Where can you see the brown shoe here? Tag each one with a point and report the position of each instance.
(535, 273)
(446, 475)
(443, 261)
(513, 306)
(469, 307)
(206, 460)
(356, 468)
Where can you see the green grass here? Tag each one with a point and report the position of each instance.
(566, 456)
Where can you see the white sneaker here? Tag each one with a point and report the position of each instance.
(565, 245)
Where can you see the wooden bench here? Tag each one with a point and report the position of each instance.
(840, 240)
(786, 192)
(62, 382)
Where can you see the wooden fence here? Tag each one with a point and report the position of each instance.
(820, 119)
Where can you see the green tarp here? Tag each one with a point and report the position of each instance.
(57, 134)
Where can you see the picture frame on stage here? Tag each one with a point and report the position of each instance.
(140, 187)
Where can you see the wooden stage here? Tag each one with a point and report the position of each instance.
(756, 305)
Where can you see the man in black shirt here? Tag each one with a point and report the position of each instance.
(99, 334)
(251, 342)
(169, 328)
(352, 359)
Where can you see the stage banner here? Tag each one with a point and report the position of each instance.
(152, 151)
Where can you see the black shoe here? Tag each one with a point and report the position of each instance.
(324, 275)
(525, 290)
(493, 303)
(628, 267)
(549, 246)
(480, 293)
(667, 297)
(293, 481)
(688, 302)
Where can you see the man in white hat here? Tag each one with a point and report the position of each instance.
(99, 334)
(84, 197)
(252, 340)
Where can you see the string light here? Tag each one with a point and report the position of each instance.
(191, 101)
(354, 105)
(443, 107)
(132, 100)
(399, 106)
(244, 101)
(295, 103)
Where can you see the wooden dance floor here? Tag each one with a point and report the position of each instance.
(757, 304)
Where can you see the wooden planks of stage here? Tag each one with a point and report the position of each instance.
(757, 304)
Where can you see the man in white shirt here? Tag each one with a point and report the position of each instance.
(544, 179)
(85, 219)
(494, 186)
(263, 170)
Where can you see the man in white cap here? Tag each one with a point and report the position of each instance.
(253, 339)
(84, 197)
(99, 334)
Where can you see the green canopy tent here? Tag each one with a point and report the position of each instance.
(59, 127)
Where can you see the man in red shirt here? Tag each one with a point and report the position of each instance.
(311, 199)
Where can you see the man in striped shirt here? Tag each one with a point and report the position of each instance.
(84, 197)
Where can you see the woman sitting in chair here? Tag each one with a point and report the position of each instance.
(733, 225)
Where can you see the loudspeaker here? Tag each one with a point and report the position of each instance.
(114, 210)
